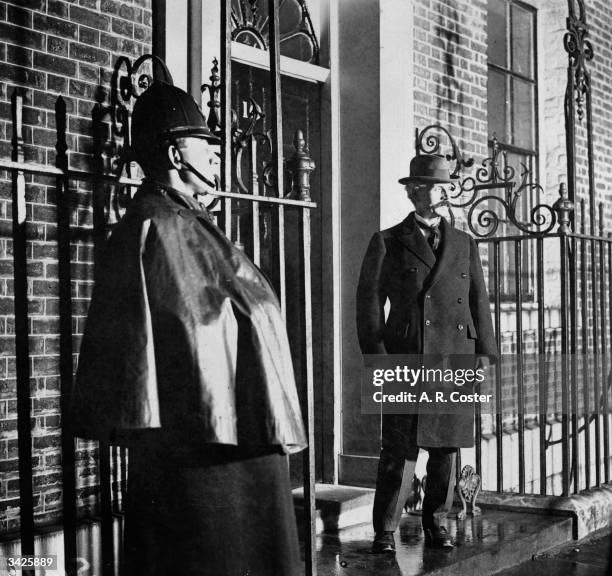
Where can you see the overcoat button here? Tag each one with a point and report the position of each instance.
(463, 275)
(412, 269)
(427, 296)
(427, 322)
(459, 326)
(459, 300)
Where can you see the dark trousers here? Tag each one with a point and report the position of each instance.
(394, 485)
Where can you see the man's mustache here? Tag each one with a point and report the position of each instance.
(443, 202)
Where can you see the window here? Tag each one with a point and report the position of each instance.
(511, 77)
(297, 36)
(512, 121)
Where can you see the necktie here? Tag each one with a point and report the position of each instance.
(433, 235)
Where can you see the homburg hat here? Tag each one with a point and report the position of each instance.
(430, 168)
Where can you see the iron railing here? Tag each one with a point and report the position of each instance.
(286, 217)
(554, 380)
(553, 376)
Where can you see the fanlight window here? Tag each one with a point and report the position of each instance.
(297, 36)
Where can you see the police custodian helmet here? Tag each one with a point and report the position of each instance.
(162, 113)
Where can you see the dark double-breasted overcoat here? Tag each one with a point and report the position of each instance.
(438, 306)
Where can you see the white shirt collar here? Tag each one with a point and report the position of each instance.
(428, 222)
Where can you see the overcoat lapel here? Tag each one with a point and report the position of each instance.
(412, 238)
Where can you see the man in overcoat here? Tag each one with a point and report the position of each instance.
(186, 360)
(431, 275)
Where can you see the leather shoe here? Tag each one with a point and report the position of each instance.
(384, 543)
(438, 537)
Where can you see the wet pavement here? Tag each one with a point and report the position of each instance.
(589, 557)
(485, 545)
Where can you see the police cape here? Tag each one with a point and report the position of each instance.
(184, 333)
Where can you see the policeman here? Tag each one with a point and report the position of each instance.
(185, 359)
(432, 277)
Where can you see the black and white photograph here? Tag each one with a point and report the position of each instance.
(305, 287)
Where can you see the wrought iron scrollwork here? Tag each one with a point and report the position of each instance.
(580, 51)
(428, 142)
(252, 165)
(542, 217)
(485, 211)
(128, 82)
(297, 36)
(249, 139)
(251, 136)
(113, 156)
(252, 147)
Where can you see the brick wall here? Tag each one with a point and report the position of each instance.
(52, 48)
(599, 19)
(552, 80)
(450, 70)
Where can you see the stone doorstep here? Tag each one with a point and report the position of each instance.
(491, 558)
(337, 506)
(590, 510)
(341, 506)
(346, 512)
(487, 544)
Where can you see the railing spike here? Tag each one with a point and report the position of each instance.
(563, 207)
(300, 165)
(214, 95)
